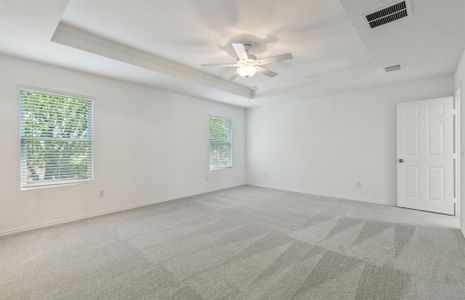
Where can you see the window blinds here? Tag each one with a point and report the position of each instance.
(56, 139)
(220, 137)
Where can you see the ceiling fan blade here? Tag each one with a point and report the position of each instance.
(276, 58)
(229, 65)
(266, 72)
(240, 50)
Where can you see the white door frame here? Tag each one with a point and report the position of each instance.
(458, 150)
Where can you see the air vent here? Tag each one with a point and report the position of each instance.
(392, 68)
(387, 15)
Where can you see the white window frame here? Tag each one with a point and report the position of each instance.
(230, 148)
(61, 183)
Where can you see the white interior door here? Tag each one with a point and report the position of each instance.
(425, 153)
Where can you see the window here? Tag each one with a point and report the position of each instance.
(220, 136)
(56, 139)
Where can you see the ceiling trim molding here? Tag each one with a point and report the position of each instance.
(72, 36)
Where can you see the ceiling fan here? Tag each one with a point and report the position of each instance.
(248, 65)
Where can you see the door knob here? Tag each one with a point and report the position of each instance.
(401, 160)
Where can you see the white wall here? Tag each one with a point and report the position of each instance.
(150, 146)
(460, 83)
(341, 145)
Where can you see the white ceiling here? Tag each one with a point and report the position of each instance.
(163, 43)
(192, 32)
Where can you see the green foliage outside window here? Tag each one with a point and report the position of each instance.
(56, 138)
(220, 136)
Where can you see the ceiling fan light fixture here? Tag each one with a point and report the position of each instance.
(247, 71)
(248, 64)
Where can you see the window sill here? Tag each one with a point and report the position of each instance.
(220, 168)
(56, 185)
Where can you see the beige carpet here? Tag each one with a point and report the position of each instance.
(242, 243)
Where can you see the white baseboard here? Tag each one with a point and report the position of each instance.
(105, 212)
(338, 196)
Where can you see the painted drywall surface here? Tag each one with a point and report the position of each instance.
(460, 84)
(150, 145)
(341, 145)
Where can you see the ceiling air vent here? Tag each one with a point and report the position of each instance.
(392, 68)
(387, 15)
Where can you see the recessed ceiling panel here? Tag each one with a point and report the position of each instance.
(318, 33)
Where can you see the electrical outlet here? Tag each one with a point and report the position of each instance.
(102, 194)
(359, 184)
